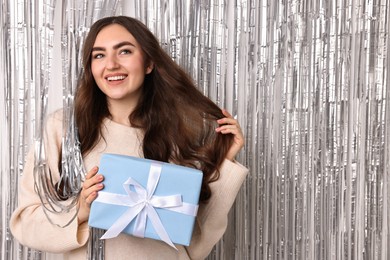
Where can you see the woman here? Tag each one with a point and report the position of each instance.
(134, 100)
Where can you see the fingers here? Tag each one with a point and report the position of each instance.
(92, 172)
(91, 186)
(226, 113)
(229, 128)
(229, 125)
(89, 191)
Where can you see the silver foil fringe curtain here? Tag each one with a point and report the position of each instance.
(306, 79)
(308, 83)
(26, 35)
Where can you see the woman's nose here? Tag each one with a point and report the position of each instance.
(112, 62)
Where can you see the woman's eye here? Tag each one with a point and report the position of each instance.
(125, 51)
(98, 56)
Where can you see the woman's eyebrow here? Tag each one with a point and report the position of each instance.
(116, 46)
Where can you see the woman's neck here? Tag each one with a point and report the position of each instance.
(120, 112)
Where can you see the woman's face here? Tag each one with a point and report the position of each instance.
(118, 66)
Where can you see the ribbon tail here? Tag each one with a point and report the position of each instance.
(140, 224)
(122, 222)
(158, 226)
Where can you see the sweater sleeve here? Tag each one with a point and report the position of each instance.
(29, 223)
(212, 217)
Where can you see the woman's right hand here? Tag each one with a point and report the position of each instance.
(91, 186)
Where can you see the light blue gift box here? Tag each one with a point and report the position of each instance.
(174, 180)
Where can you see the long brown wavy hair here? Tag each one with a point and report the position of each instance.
(178, 121)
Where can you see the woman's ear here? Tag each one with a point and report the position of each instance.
(149, 68)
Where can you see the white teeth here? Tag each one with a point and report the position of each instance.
(116, 78)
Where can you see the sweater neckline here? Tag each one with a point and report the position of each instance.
(112, 124)
(109, 121)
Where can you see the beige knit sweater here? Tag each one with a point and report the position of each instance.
(30, 226)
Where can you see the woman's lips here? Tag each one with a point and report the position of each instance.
(116, 78)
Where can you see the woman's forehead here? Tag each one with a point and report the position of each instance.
(113, 34)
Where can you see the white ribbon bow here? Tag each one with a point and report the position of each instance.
(142, 204)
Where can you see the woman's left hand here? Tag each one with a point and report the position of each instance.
(229, 125)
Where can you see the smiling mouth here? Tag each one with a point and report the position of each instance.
(115, 78)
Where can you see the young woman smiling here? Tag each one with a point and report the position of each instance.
(134, 100)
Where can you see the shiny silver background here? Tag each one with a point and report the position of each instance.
(306, 79)
(308, 83)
